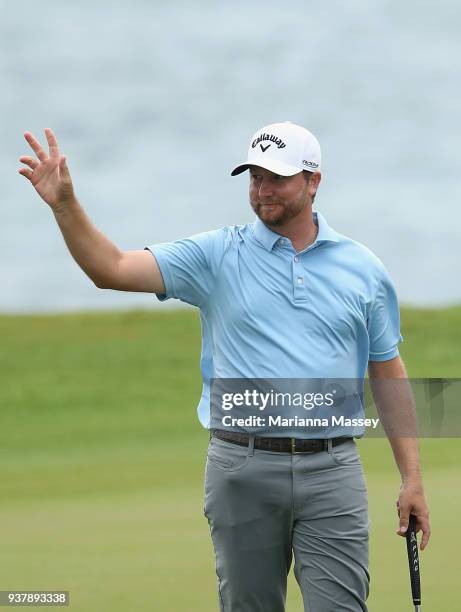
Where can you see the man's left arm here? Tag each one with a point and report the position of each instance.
(395, 404)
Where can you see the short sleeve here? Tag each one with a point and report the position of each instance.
(384, 321)
(189, 266)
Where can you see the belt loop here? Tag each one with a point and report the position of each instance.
(329, 445)
(251, 445)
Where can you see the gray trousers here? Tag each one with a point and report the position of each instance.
(263, 507)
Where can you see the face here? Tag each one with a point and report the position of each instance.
(277, 199)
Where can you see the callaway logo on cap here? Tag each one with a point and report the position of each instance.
(284, 148)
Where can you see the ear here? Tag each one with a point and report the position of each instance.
(315, 181)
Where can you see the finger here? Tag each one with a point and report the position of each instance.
(29, 161)
(426, 534)
(63, 164)
(26, 173)
(52, 143)
(425, 539)
(64, 170)
(39, 152)
(403, 522)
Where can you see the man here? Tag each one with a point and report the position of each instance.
(285, 297)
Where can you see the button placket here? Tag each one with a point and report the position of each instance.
(299, 280)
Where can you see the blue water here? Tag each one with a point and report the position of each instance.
(153, 103)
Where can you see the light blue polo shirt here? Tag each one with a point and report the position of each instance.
(269, 312)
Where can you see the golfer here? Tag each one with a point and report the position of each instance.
(284, 297)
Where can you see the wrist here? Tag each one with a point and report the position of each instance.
(63, 206)
(412, 480)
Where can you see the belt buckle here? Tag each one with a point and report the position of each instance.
(295, 452)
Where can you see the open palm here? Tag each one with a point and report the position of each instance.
(48, 173)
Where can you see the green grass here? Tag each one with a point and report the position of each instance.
(102, 458)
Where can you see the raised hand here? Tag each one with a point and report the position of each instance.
(48, 173)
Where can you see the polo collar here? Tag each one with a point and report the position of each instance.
(268, 238)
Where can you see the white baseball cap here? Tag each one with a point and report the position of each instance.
(284, 148)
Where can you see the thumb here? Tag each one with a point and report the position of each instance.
(63, 169)
(403, 523)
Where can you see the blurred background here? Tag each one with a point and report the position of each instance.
(153, 103)
(101, 454)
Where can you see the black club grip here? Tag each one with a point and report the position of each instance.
(413, 560)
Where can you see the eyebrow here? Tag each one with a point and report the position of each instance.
(272, 174)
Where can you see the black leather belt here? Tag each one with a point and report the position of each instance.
(278, 445)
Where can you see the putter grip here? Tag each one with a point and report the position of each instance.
(413, 560)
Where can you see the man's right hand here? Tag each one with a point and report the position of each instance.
(48, 173)
(100, 259)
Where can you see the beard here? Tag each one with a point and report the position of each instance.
(276, 214)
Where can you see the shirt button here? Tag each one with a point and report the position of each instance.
(296, 259)
(300, 280)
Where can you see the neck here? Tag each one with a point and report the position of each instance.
(301, 230)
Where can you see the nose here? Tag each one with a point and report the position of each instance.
(265, 188)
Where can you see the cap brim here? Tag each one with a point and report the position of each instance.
(273, 165)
